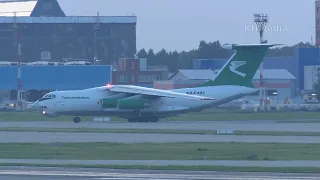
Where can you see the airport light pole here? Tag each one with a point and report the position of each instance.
(261, 21)
(96, 29)
(18, 43)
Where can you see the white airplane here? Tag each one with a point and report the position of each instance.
(140, 104)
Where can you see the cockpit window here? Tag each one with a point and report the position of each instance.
(48, 96)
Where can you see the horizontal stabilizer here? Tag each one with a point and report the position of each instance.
(236, 46)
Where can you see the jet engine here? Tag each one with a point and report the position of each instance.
(133, 104)
(109, 102)
(112, 101)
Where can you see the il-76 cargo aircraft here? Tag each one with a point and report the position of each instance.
(140, 104)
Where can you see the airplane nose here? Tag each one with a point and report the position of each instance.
(35, 105)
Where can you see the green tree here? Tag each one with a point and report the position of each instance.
(142, 53)
(206, 50)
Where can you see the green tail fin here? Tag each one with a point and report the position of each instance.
(242, 66)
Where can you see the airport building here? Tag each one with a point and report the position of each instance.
(311, 74)
(57, 49)
(135, 71)
(47, 33)
(317, 19)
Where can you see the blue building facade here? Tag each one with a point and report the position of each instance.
(306, 57)
(290, 63)
(55, 77)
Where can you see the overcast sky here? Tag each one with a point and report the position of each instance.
(181, 24)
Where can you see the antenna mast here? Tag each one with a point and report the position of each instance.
(261, 21)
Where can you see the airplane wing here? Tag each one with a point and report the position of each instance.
(154, 92)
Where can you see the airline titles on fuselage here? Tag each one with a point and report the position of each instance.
(74, 97)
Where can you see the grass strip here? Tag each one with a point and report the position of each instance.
(161, 151)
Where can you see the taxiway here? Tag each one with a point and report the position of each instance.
(251, 125)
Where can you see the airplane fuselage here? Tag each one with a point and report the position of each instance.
(88, 102)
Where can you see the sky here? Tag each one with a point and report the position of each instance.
(182, 24)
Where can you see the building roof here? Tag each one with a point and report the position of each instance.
(20, 8)
(275, 74)
(70, 19)
(32, 11)
(47, 8)
(35, 8)
(196, 74)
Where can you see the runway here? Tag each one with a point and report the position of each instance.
(49, 137)
(23, 173)
(52, 137)
(227, 163)
(194, 125)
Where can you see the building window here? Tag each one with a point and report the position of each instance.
(113, 32)
(132, 65)
(122, 78)
(69, 27)
(317, 22)
(153, 78)
(317, 9)
(106, 52)
(145, 78)
(317, 35)
(132, 78)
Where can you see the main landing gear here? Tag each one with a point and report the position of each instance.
(76, 119)
(143, 119)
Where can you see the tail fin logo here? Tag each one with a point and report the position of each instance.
(236, 64)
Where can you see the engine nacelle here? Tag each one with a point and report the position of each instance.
(133, 104)
(109, 102)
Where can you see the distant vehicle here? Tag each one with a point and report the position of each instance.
(140, 104)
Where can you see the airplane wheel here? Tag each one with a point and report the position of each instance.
(154, 120)
(148, 119)
(132, 120)
(76, 119)
(144, 119)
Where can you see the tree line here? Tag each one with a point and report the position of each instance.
(206, 50)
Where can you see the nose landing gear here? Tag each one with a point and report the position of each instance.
(76, 119)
